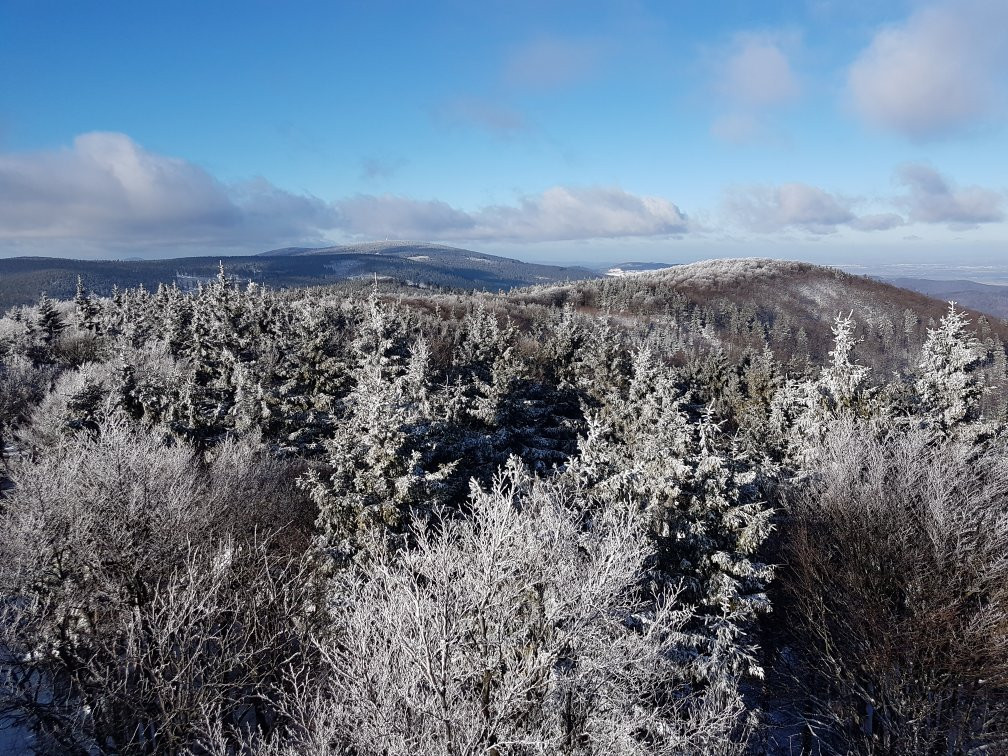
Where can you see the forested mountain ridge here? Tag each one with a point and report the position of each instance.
(23, 279)
(795, 305)
(731, 507)
(390, 248)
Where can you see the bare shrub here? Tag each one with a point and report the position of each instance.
(74, 348)
(138, 602)
(895, 595)
(78, 400)
(514, 632)
(22, 385)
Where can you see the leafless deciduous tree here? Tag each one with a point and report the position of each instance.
(895, 594)
(142, 609)
(514, 632)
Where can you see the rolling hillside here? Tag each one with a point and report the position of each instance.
(23, 279)
(741, 304)
(987, 298)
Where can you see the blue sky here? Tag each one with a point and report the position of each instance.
(569, 131)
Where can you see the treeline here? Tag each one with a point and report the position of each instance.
(385, 521)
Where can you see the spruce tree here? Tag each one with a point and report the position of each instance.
(948, 381)
(382, 474)
(49, 322)
(88, 311)
(657, 453)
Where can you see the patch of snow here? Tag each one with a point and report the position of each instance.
(620, 273)
(636, 269)
(418, 257)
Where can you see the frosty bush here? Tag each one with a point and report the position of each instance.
(520, 630)
(137, 602)
(895, 595)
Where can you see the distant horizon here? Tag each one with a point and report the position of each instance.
(993, 273)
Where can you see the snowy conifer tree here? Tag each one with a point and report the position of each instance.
(88, 311)
(50, 323)
(378, 479)
(654, 452)
(842, 390)
(948, 381)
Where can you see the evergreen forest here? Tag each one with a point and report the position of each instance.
(734, 507)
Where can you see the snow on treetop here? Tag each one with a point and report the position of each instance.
(734, 270)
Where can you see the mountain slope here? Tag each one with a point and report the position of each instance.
(390, 248)
(987, 298)
(429, 262)
(23, 279)
(745, 304)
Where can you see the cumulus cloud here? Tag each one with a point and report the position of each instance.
(106, 191)
(928, 198)
(757, 73)
(550, 63)
(931, 198)
(386, 215)
(794, 205)
(105, 188)
(563, 213)
(559, 213)
(939, 72)
(753, 76)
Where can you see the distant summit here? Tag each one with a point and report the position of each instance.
(420, 264)
(428, 263)
(396, 248)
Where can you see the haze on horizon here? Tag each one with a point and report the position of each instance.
(835, 132)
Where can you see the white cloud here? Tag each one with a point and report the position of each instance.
(939, 72)
(106, 192)
(929, 198)
(752, 77)
(559, 213)
(932, 199)
(386, 215)
(793, 205)
(583, 213)
(757, 73)
(106, 189)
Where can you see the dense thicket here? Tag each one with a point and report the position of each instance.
(568, 520)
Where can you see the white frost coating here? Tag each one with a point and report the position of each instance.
(718, 272)
(620, 273)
